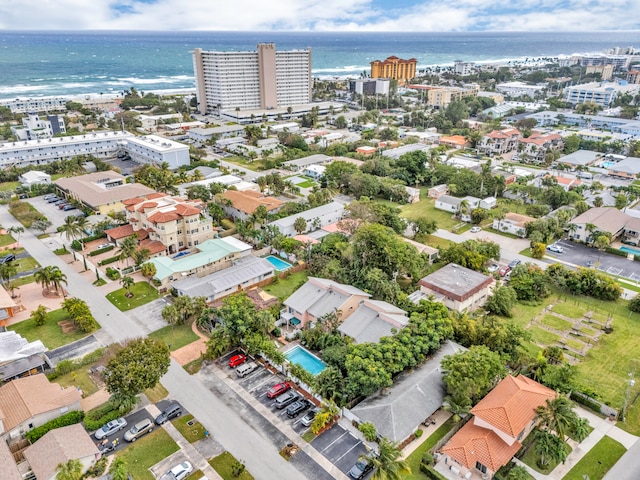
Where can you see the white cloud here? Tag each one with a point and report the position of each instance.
(324, 15)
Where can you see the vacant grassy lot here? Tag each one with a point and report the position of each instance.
(50, 333)
(146, 452)
(142, 293)
(223, 464)
(191, 433)
(415, 458)
(6, 186)
(24, 212)
(282, 288)
(176, 336)
(556, 322)
(426, 208)
(436, 242)
(79, 378)
(598, 461)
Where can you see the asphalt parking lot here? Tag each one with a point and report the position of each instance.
(579, 255)
(338, 445)
(51, 211)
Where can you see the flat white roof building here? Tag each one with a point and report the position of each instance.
(149, 149)
(40, 104)
(262, 79)
(518, 89)
(601, 93)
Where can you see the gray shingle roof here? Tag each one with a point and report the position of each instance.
(367, 324)
(412, 398)
(320, 296)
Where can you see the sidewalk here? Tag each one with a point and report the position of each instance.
(196, 459)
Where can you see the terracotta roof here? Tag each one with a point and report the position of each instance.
(473, 444)
(187, 210)
(511, 405)
(154, 195)
(133, 201)
(248, 201)
(59, 446)
(164, 217)
(568, 181)
(24, 398)
(122, 231)
(455, 139)
(147, 205)
(154, 246)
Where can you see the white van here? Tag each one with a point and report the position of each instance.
(246, 368)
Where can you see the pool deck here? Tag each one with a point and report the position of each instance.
(277, 263)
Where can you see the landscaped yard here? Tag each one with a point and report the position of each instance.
(426, 208)
(50, 333)
(176, 336)
(146, 452)
(531, 458)
(156, 393)
(6, 239)
(223, 465)
(283, 288)
(598, 461)
(79, 378)
(415, 458)
(191, 433)
(142, 293)
(556, 322)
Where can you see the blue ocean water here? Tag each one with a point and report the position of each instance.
(67, 63)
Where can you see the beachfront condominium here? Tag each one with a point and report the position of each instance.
(265, 79)
(394, 68)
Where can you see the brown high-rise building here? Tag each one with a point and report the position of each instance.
(395, 68)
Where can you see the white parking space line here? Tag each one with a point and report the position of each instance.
(329, 446)
(342, 456)
(269, 379)
(614, 270)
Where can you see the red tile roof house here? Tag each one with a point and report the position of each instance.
(500, 422)
(535, 148)
(500, 141)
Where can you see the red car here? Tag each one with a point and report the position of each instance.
(504, 270)
(278, 389)
(237, 360)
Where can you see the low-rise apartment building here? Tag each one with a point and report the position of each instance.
(498, 142)
(535, 148)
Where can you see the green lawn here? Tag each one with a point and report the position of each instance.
(575, 343)
(79, 378)
(283, 288)
(146, 452)
(26, 264)
(50, 333)
(18, 282)
(222, 464)
(6, 239)
(191, 433)
(142, 293)
(598, 461)
(531, 458)
(543, 336)
(6, 186)
(176, 336)
(415, 458)
(511, 206)
(156, 393)
(426, 208)
(569, 310)
(436, 242)
(197, 475)
(556, 322)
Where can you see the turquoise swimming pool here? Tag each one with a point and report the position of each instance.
(278, 263)
(634, 251)
(307, 360)
(607, 164)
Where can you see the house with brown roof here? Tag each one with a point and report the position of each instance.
(599, 219)
(243, 204)
(513, 223)
(458, 288)
(454, 141)
(57, 447)
(567, 183)
(438, 190)
(498, 142)
(28, 402)
(102, 192)
(501, 421)
(164, 224)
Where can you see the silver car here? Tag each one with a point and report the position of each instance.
(110, 428)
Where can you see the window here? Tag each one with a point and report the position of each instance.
(481, 467)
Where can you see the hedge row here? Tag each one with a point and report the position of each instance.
(70, 418)
(109, 260)
(615, 251)
(101, 250)
(97, 418)
(65, 366)
(636, 258)
(585, 401)
(430, 472)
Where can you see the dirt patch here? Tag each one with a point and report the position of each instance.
(67, 326)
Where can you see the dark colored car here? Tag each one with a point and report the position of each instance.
(514, 264)
(296, 408)
(168, 413)
(58, 202)
(286, 399)
(278, 389)
(7, 258)
(67, 208)
(53, 199)
(360, 469)
(237, 360)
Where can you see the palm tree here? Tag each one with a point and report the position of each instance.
(327, 414)
(127, 282)
(70, 228)
(300, 225)
(459, 407)
(148, 270)
(43, 277)
(57, 278)
(72, 470)
(18, 230)
(7, 271)
(557, 415)
(83, 224)
(39, 315)
(140, 256)
(119, 470)
(544, 447)
(590, 228)
(128, 246)
(387, 464)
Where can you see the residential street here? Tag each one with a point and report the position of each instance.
(239, 438)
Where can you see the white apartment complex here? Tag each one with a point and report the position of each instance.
(601, 93)
(149, 149)
(264, 79)
(36, 127)
(39, 104)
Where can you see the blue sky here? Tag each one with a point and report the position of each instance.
(322, 15)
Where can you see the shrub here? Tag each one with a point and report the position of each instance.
(636, 258)
(418, 433)
(112, 273)
(98, 469)
(226, 224)
(430, 473)
(70, 418)
(615, 251)
(65, 366)
(634, 304)
(99, 251)
(368, 429)
(97, 418)
(427, 458)
(585, 401)
(109, 260)
(77, 245)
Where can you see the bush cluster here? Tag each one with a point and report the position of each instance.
(109, 260)
(70, 418)
(100, 250)
(112, 273)
(97, 418)
(65, 366)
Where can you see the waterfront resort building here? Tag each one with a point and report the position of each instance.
(394, 68)
(600, 93)
(38, 104)
(107, 144)
(264, 79)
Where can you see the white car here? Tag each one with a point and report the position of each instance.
(104, 245)
(493, 268)
(555, 248)
(475, 229)
(181, 471)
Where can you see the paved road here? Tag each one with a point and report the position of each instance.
(261, 458)
(628, 467)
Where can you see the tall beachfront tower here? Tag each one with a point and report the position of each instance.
(263, 79)
(395, 68)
